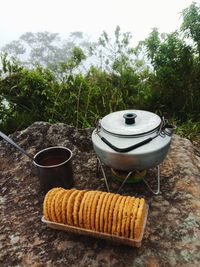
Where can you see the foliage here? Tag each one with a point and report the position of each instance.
(189, 129)
(161, 74)
(173, 65)
(152, 44)
(191, 24)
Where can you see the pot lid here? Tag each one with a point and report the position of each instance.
(130, 122)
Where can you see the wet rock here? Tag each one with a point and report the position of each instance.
(172, 234)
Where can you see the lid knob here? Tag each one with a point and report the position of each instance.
(129, 118)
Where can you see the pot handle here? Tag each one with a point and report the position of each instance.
(146, 141)
(127, 149)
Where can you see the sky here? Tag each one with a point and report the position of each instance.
(92, 17)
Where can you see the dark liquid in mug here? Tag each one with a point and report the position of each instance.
(52, 161)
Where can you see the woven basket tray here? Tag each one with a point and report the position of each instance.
(87, 232)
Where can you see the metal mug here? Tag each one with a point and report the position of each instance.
(54, 167)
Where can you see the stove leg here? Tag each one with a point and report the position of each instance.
(158, 182)
(99, 166)
(124, 181)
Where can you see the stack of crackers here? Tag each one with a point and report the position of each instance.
(98, 211)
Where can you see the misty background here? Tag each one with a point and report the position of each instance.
(75, 61)
(45, 31)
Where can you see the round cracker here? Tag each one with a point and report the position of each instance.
(85, 208)
(77, 203)
(70, 206)
(128, 219)
(93, 209)
(115, 214)
(58, 205)
(64, 204)
(88, 213)
(139, 220)
(133, 216)
(49, 200)
(124, 215)
(110, 214)
(53, 204)
(98, 210)
(45, 206)
(119, 216)
(102, 222)
(80, 213)
(106, 212)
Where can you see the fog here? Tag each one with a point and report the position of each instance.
(89, 16)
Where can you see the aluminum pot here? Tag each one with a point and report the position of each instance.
(132, 139)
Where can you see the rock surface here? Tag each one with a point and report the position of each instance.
(172, 234)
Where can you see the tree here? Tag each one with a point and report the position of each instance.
(152, 44)
(119, 59)
(14, 48)
(45, 48)
(173, 66)
(110, 51)
(191, 24)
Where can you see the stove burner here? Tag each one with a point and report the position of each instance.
(135, 177)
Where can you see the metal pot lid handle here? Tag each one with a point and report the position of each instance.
(130, 118)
